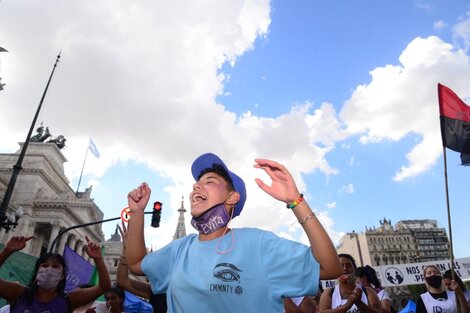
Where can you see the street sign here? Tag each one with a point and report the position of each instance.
(126, 214)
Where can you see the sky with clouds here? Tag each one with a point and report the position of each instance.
(344, 93)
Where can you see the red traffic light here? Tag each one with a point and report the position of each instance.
(157, 205)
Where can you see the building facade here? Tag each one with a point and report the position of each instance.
(409, 241)
(49, 204)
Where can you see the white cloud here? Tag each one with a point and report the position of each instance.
(439, 25)
(141, 79)
(331, 205)
(352, 161)
(349, 188)
(461, 32)
(402, 100)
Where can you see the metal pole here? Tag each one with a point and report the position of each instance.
(449, 223)
(17, 167)
(81, 173)
(83, 225)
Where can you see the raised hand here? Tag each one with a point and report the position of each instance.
(92, 249)
(138, 198)
(358, 295)
(454, 286)
(283, 187)
(123, 231)
(16, 243)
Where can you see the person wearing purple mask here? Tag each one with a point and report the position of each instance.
(221, 269)
(437, 299)
(45, 292)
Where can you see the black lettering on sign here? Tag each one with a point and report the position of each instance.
(412, 270)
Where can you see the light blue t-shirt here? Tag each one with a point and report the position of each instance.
(260, 269)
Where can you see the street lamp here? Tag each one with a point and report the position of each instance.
(17, 167)
(12, 219)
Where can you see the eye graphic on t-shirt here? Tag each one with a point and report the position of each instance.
(227, 272)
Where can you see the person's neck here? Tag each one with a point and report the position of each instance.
(45, 295)
(435, 290)
(218, 233)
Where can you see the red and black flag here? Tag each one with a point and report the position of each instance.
(455, 123)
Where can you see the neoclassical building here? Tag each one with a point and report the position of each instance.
(410, 241)
(49, 203)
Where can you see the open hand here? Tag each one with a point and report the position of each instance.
(283, 187)
(16, 243)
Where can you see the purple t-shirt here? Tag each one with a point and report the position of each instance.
(60, 304)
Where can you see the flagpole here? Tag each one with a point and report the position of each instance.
(83, 166)
(449, 223)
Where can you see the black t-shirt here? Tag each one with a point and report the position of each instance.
(158, 302)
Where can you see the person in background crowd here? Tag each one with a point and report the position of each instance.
(46, 290)
(141, 289)
(114, 298)
(232, 270)
(447, 279)
(346, 296)
(367, 277)
(436, 299)
(93, 306)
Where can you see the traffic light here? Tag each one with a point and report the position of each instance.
(157, 211)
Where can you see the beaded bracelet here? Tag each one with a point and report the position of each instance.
(296, 202)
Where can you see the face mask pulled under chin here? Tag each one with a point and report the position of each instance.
(48, 278)
(212, 220)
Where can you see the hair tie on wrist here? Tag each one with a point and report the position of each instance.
(296, 202)
(305, 219)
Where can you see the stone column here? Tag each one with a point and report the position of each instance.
(78, 247)
(62, 242)
(2, 235)
(38, 244)
(54, 233)
(30, 226)
(72, 241)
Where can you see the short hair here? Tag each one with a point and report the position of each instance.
(448, 275)
(348, 256)
(118, 291)
(219, 170)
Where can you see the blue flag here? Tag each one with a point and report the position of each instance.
(93, 149)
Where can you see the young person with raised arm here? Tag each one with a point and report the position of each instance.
(232, 270)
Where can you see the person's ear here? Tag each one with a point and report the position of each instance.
(233, 199)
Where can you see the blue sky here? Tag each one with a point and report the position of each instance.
(341, 92)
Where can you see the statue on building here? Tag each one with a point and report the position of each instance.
(43, 134)
(59, 141)
(116, 236)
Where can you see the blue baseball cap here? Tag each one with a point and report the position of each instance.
(206, 161)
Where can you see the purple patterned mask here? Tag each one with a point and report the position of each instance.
(213, 219)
